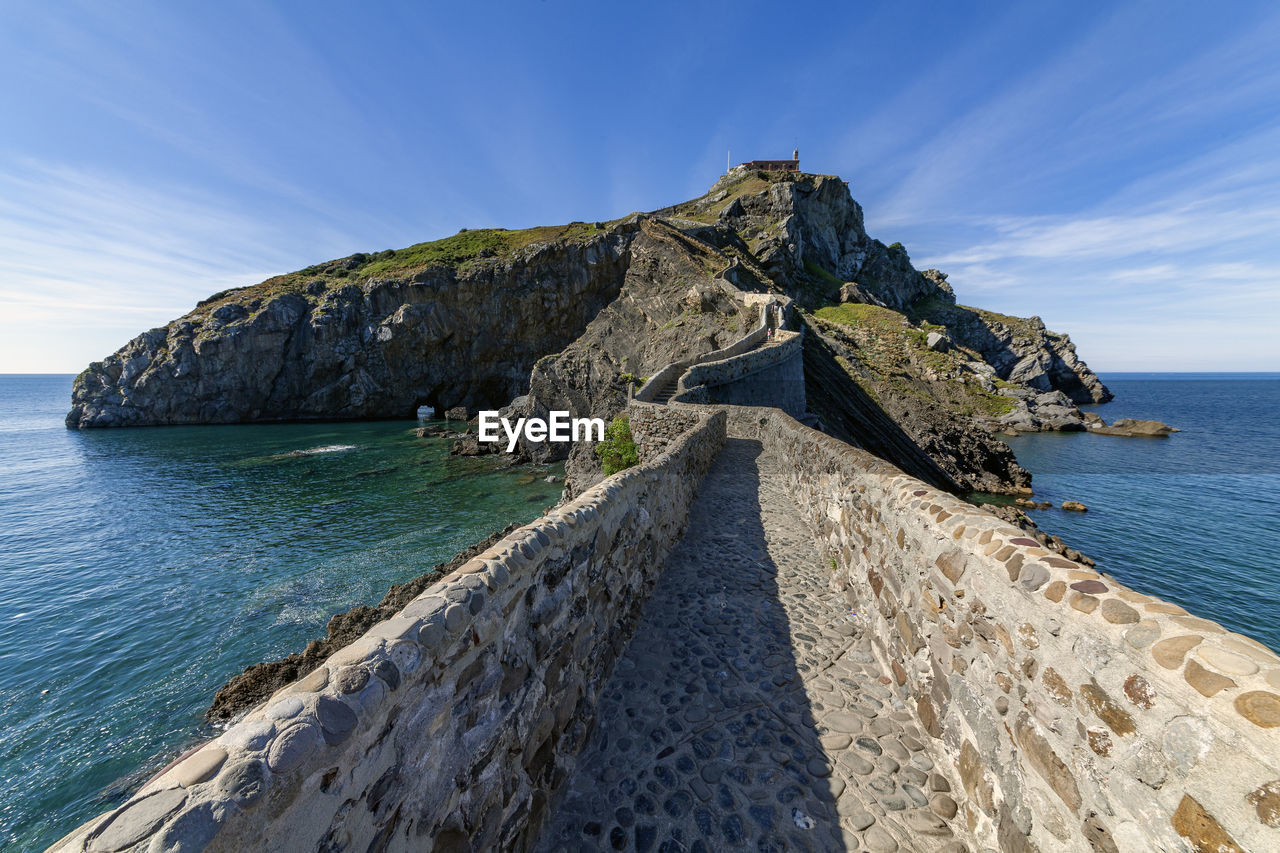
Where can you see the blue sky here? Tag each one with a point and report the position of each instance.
(1114, 169)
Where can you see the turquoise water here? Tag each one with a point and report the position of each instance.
(1192, 518)
(140, 568)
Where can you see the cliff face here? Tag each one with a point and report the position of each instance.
(318, 344)
(668, 308)
(566, 318)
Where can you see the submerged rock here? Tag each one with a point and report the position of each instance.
(468, 445)
(259, 681)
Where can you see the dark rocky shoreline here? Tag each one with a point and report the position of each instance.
(251, 687)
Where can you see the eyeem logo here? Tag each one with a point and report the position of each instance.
(559, 428)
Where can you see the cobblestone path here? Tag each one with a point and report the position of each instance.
(748, 711)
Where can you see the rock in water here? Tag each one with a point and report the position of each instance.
(469, 445)
(1074, 506)
(1133, 428)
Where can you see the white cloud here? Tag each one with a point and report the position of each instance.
(1068, 115)
(88, 262)
(1174, 265)
(1159, 232)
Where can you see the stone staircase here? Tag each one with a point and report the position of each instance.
(665, 390)
(669, 386)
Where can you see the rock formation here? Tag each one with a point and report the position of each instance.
(1129, 427)
(567, 317)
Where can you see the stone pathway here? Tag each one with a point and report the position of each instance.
(748, 711)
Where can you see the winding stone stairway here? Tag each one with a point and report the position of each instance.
(664, 392)
(670, 386)
(748, 711)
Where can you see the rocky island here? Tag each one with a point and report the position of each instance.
(567, 317)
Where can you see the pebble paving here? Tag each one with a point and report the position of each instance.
(748, 711)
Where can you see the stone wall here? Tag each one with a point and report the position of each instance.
(1077, 714)
(772, 375)
(779, 305)
(451, 726)
(1069, 712)
(657, 380)
(654, 426)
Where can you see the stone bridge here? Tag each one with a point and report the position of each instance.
(759, 638)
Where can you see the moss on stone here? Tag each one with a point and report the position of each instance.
(893, 354)
(992, 405)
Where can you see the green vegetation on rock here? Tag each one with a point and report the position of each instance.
(888, 345)
(618, 450)
(473, 245)
(676, 320)
(883, 323)
(992, 405)
(827, 284)
(860, 314)
(462, 251)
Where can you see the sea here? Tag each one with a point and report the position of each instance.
(140, 568)
(1192, 518)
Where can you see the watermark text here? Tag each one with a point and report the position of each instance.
(559, 427)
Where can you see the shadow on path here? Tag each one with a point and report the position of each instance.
(705, 739)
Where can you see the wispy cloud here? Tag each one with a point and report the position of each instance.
(1174, 286)
(1086, 109)
(81, 251)
(1163, 232)
(1140, 217)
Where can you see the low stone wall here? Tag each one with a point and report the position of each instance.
(780, 385)
(737, 365)
(451, 726)
(657, 380)
(1077, 714)
(770, 376)
(654, 426)
(744, 344)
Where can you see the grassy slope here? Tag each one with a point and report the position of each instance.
(894, 353)
(462, 251)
